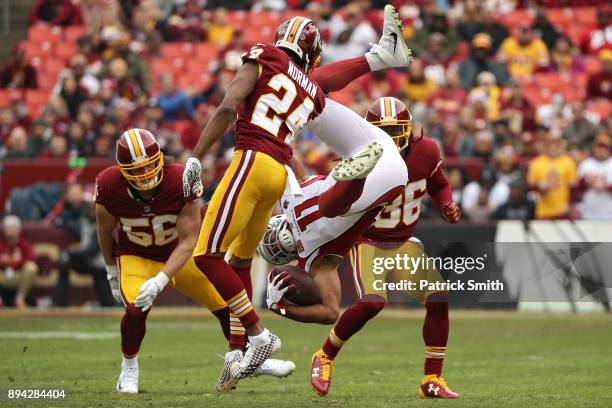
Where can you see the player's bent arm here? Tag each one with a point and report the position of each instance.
(326, 278)
(439, 189)
(188, 226)
(242, 85)
(105, 228)
(298, 169)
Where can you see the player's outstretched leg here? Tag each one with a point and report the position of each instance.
(391, 50)
(360, 164)
(133, 328)
(435, 336)
(351, 321)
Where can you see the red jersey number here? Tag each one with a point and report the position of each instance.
(270, 101)
(405, 209)
(146, 231)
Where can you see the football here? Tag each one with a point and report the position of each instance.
(305, 292)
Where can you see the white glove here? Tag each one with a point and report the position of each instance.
(112, 275)
(192, 177)
(274, 293)
(149, 291)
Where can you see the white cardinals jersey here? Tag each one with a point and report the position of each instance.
(310, 229)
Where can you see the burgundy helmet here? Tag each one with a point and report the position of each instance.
(140, 159)
(391, 115)
(301, 36)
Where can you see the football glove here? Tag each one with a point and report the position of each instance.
(149, 291)
(192, 178)
(277, 287)
(451, 212)
(112, 275)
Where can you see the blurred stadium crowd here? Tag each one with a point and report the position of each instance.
(517, 93)
(496, 83)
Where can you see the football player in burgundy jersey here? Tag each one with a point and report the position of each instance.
(395, 225)
(273, 97)
(153, 244)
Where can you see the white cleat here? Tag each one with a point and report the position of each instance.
(275, 368)
(254, 357)
(391, 50)
(128, 380)
(226, 383)
(359, 165)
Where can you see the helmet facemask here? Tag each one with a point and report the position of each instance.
(278, 245)
(144, 174)
(399, 130)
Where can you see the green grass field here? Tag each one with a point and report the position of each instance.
(494, 360)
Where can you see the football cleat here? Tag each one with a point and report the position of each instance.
(226, 383)
(391, 50)
(128, 380)
(254, 357)
(321, 372)
(434, 386)
(275, 368)
(359, 165)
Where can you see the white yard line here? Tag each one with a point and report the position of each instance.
(76, 335)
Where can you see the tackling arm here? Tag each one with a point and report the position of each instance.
(188, 226)
(439, 190)
(242, 85)
(105, 227)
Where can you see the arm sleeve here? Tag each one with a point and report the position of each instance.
(439, 189)
(336, 76)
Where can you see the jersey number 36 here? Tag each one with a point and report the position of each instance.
(404, 210)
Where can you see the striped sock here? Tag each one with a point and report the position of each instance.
(332, 345)
(237, 340)
(434, 359)
(241, 308)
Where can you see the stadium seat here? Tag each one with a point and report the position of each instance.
(36, 99)
(603, 109)
(177, 50)
(208, 51)
(592, 64)
(44, 32)
(6, 95)
(516, 17)
(586, 16)
(66, 51)
(53, 66)
(237, 18)
(265, 19)
(38, 48)
(161, 65)
(46, 82)
(73, 33)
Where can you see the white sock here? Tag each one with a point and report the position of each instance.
(261, 339)
(130, 362)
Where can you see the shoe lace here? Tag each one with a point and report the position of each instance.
(442, 382)
(327, 366)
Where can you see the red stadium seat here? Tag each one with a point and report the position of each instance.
(517, 17)
(38, 49)
(6, 95)
(586, 16)
(66, 51)
(207, 51)
(73, 33)
(237, 18)
(53, 66)
(265, 19)
(36, 99)
(46, 82)
(177, 50)
(44, 32)
(603, 109)
(592, 65)
(560, 16)
(161, 65)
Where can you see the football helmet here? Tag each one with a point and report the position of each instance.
(301, 36)
(391, 115)
(140, 159)
(278, 245)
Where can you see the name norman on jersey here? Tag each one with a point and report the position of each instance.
(146, 229)
(283, 101)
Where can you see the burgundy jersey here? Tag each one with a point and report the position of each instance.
(146, 228)
(283, 100)
(398, 219)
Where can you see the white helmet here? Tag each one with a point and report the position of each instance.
(278, 245)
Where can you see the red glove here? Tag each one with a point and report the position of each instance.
(451, 212)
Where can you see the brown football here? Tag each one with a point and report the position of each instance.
(305, 292)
